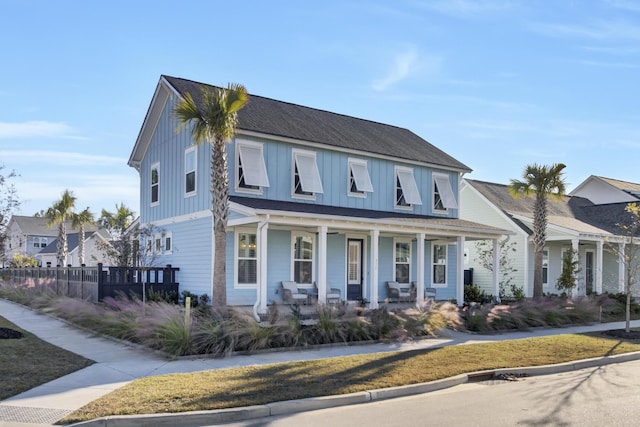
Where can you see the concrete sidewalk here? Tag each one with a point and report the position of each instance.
(117, 364)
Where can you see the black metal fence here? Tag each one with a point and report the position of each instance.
(95, 283)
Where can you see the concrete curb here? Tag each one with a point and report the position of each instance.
(314, 403)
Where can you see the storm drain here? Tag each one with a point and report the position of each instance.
(21, 414)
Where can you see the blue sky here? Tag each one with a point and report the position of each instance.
(496, 84)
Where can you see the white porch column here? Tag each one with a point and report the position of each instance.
(599, 258)
(621, 274)
(420, 272)
(496, 269)
(375, 237)
(575, 247)
(460, 270)
(261, 242)
(322, 264)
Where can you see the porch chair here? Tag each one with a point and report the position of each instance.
(291, 294)
(429, 293)
(399, 291)
(333, 296)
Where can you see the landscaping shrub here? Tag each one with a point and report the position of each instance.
(473, 293)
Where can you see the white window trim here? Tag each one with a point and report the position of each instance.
(294, 235)
(395, 242)
(237, 233)
(155, 166)
(545, 284)
(445, 191)
(166, 236)
(188, 151)
(367, 186)
(251, 144)
(295, 153)
(406, 177)
(446, 265)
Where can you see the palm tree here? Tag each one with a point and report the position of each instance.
(117, 223)
(79, 220)
(541, 182)
(215, 122)
(58, 214)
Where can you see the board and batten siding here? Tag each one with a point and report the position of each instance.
(333, 167)
(167, 148)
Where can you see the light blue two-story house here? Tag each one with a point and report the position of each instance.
(315, 197)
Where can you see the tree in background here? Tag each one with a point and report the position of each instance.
(58, 214)
(120, 250)
(216, 124)
(541, 182)
(627, 252)
(9, 203)
(22, 260)
(80, 221)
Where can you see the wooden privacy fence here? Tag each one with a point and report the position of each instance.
(94, 283)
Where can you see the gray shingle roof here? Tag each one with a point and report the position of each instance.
(576, 213)
(283, 119)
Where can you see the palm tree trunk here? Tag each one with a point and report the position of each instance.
(539, 239)
(61, 247)
(81, 243)
(220, 211)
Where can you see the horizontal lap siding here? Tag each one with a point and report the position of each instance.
(191, 254)
(337, 263)
(278, 263)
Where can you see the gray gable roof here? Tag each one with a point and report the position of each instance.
(283, 119)
(628, 187)
(573, 212)
(36, 226)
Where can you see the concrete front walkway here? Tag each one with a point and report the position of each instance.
(118, 363)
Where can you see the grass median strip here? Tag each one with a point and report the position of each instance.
(29, 362)
(236, 387)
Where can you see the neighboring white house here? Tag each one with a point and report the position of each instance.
(600, 190)
(574, 223)
(93, 254)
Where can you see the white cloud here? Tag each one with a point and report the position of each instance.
(598, 30)
(630, 5)
(404, 66)
(466, 8)
(30, 157)
(36, 129)
(609, 64)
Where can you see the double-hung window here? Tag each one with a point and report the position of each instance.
(303, 259)
(439, 265)
(306, 176)
(168, 243)
(155, 184)
(406, 194)
(402, 261)
(545, 267)
(246, 259)
(251, 170)
(443, 196)
(190, 161)
(359, 180)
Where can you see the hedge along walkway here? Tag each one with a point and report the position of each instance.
(256, 385)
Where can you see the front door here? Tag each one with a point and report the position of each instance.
(354, 269)
(588, 271)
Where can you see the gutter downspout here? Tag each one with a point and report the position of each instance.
(261, 225)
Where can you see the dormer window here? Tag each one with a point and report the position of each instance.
(306, 176)
(251, 170)
(359, 180)
(443, 196)
(406, 194)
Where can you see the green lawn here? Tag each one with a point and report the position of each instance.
(29, 362)
(278, 382)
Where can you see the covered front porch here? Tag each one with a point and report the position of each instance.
(357, 254)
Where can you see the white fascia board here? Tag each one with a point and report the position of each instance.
(243, 221)
(242, 209)
(398, 226)
(317, 145)
(584, 183)
(181, 218)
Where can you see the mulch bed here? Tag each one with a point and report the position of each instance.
(633, 334)
(6, 333)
